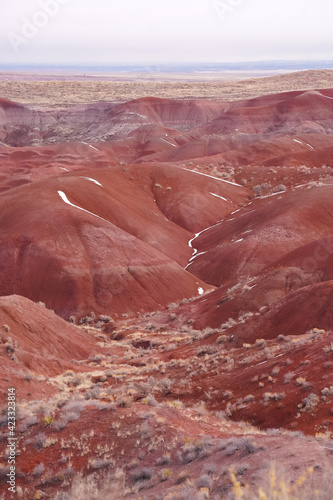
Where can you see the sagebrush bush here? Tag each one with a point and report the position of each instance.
(142, 474)
(100, 463)
(38, 470)
(205, 481)
(277, 484)
(111, 488)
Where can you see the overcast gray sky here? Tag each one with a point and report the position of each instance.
(162, 31)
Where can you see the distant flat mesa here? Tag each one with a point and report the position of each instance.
(60, 91)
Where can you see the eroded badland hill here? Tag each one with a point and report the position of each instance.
(166, 282)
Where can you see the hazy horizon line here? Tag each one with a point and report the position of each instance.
(277, 65)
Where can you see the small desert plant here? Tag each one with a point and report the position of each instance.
(309, 403)
(302, 382)
(100, 463)
(273, 396)
(222, 339)
(277, 486)
(205, 481)
(28, 422)
(92, 393)
(142, 474)
(228, 324)
(145, 431)
(112, 488)
(38, 470)
(328, 348)
(39, 440)
(4, 471)
(288, 377)
(165, 459)
(279, 188)
(87, 319)
(327, 391)
(105, 318)
(48, 420)
(210, 468)
(124, 402)
(165, 474)
(182, 477)
(150, 400)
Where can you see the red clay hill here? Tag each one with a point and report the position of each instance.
(166, 280)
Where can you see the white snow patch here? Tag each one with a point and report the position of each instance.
(198, 234)
(303, 144)
(271, 195)
(90, 146)
(195, 251)
(92, 180)
(168, 142)
(239, 240)
(215, 178)
(190, 243)
(66, 200)
(137, 114)
(250, 212)
(194, 256)
(217, 196)
(326, 96)
(200, 291)
(63, 168)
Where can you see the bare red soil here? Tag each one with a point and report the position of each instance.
(183, 251)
